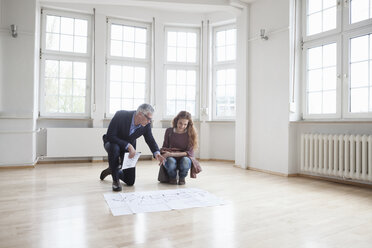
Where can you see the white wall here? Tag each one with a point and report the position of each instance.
(17, 61)
(19, 80)
(268, 91)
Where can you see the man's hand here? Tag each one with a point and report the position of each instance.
(160, 158)
(166, 154)
(131, 151)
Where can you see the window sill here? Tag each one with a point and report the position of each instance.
(63, 118)
(340, 121)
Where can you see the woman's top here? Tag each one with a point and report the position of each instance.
(179, 141)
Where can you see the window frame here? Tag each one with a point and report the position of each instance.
(321, 34)
(230, 64)
(313, 44)
(343, 32)
(182, 66)
(123, 61)
(346, 69)
(67, 56)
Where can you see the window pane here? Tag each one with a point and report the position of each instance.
(81, 27)
(359, 48)
(128, 49)
(115, 73)
(128, 33)
(140, 51)
(80, 44)
(329, 19)
(359, 74)
(181, 93)
(116, 32)
(329, 3)
(190, 93)
(172, 38)
(314, 6)
(127, 90)
(191, 77)
(171, 54)
(67, 25)
(67, 43)
(139, 74)
(329, 78)
(359, 10)
(128, 74)
(221, 54)
(171, 92)
(51, 104)
(220, 91)
(171, 76)
(181, 39)
(180, 106)
(65, 87)
(221, 77)
(65, 104)
(231, 76)
(140, 35)
(181, 77)
(139, 91)
(116, 48)
(78, 105)
(115, 105)
(191, 39)
(329, 102)
(315, 103)
(314, 23)
(221, 38)
(52, 41)
(230, 52)
(51, 86)
(190, 107)
(359, 100)
(65, 69)
(79, 87)
(191, 55)
(231, 37)
(314, 58)
(115, 89)
(51, 68)
(230, 91)
(171, 108)
(80, 70)
(315, 80)
(329, 55)
(53, 24)
(181, 54)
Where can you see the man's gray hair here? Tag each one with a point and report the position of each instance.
(145, 108)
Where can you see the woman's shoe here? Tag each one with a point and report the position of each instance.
(172, 181)
(181, 181)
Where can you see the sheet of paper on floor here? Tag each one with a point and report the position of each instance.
(161, 200)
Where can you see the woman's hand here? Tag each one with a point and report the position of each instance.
(166, 154)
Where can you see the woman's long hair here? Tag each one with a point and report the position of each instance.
(193, 136)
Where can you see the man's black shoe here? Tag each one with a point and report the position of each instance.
(105, 173)
(116, 186)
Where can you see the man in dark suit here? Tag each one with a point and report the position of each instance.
(124, 128)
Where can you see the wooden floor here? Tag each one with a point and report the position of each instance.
(62, 205)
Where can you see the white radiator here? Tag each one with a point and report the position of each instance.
(87, 142)
(345, 156)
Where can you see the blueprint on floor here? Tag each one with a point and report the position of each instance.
(160, 200)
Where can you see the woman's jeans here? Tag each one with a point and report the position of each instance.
(183, 165)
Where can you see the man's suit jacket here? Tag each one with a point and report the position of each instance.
(118, 132)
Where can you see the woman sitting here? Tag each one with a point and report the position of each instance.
(178, 147)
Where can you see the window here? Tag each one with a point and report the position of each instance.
(181, 70)
(337, 66)
(128, 65)
(65, 64)
(224, 72)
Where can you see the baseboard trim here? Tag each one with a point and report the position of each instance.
(334, 180)
(272, 172)
(215, 160)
